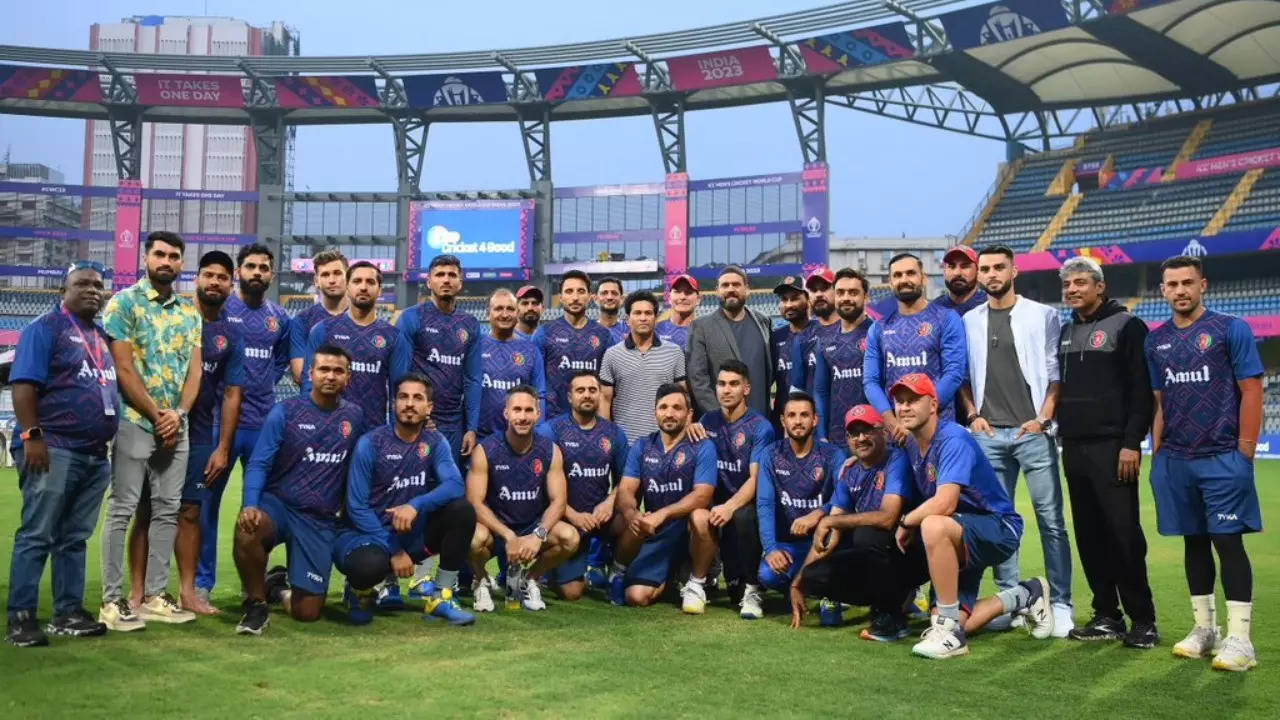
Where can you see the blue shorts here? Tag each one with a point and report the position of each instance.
(1205, 495)
(575, 568)
(988, 541)
(242, 446)
(500, 545)
(309, 544)
(659, 554)
(194, 491)
(799, 551)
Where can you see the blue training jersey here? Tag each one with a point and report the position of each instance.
(265, 330)
(1197, 369)
(931, 342)
(617, 331)
(222, 357)
(955, 457)
(566, 350)
(379, 357)
(666, 477)
(300, 329)
(446, 348)
(517, 492)
(790, 487)
(860, 488)
(739, 445)
(593, 458)
(944, 300)
(505, 364)
(804, 353)
(837, 382)
(387, 472)
(668, 331)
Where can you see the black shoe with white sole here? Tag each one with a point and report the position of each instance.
(1100, 628)
(24, 630)
(77, 623)
(1142, 636)
(256, 617)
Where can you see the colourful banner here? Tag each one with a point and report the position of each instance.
(335, 91)
(30, 83)
(1227, 243)
(676, 249)
(868, 46)
(817, 210)
(222, 91)
(1261, 325)
(1001, 21)
(780, 226)
(717, 69)
(128, 226)
(585, 82)
(477, 88)
(749, 181)
(1227, 164)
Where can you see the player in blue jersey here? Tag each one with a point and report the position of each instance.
(506, 360)
(820, 285)
(404, 502)
(673, 476)
(683, 298)
(1206, 374)
(917, 337)
(960, 277)
(570, 343)
(517, 485)
(329, 269)
(793, 306)
(966, 522)
(294, 492)
(837, 371)
(740, 436)
(264, 327)
(446, 348)
(594, 452)
(609, 301)
(379, 355)
(529, 299)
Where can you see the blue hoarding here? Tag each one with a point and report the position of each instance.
(489, 234)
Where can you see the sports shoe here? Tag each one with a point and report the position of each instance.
(24, 630)
(596, 577)
(277, 583)
(443, 606)
(255, 620)
(917, 606)
(617, 588)
(515, 587)
(1236, 655)
(76, 623)
(1099, 628)
(360, 604)
(734, 589)
(531, 597)
(830, 614)
(481, 596)
(693, 598)
(942, 639)
(750, 608)
(389, 597)
(1142, 636)
(1038, 611)
(163, 608)
(1063, 620)
(886, 627)
(118, 616)
(422, 588)
(1200, 642)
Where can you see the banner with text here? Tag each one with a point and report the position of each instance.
(1002, 21)
(334, 91)
(676, 239)
(1227, 164)
(128, 226)
(476, 88)
(585, 82)
(29, 83)
(856, 48)
(488, 234)
(817, 211)
(717, 69)
(222, 91)
(1227, 243)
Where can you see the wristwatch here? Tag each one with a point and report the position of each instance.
(35, 433)
(182, 414)
(540, 533)
(1048, 426)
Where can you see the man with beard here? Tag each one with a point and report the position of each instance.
(1013, 373)
(684, 299)
(446, 348)
(838, 370)
(329, 269)
(960, 276)
(735, 332)
(633, 369)
(507, 359)
(529, 310)
(793, 306)
(156, 349)
(916, 337)
(804, 354)
(609, 300)
(570, 343)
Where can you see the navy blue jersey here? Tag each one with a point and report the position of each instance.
(265, 330)
(955, 457)
(931, 342)
(301, 457)
(379, 357)
(838, 379)
(739, 444)
(618, 331)
(222, 357)
(789, 487)
(667, 476)
(804, 353)
(387, 472)
(861, 489)
(593, 458)
(505, 364)
(944, 300)
(69, 362)
(566, 350)
(1197, 369)
(446, 348)
(675, 334)
(517, 492)
(300, 329)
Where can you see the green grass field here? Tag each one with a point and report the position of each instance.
(591, 660)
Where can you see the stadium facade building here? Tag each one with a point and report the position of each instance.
(18, 209)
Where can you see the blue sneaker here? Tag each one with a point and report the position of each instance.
(597, 578)
(442, 606)
(359, 605)
(422, 588)
(617, 589)
(830, 614)
(389, 597)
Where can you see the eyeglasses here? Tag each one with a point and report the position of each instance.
(863, 430)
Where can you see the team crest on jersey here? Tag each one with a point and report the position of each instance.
(595, 341)
(817, 475)
(606, 445)
(379, 341)
(345, 428)
(931, 472)
(462, 334)
(272, 323)
(680, 458)
(1097, 339)
(517, 358)
(537, 466)
(220, 342)
(740, 439)
(879, 481)
(1204, 341)
(923, 331)
(862, 345)
(423, 449)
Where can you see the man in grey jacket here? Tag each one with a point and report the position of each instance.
(732, 332)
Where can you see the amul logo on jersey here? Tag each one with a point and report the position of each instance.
(812, 503)
(1186, 376)
(506, 493)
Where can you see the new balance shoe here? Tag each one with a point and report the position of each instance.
(1236, 655)
(164, 609)
(256, 617)
(941, 640)
(442, 605)
(1199, 643)
(277, 583)
(24, 630)
(77, 623)
(1142, 636)
(693, 598)
(117, 615)
(1100, 628)
(886, 627)
(830, 614)
(531, 597)
(1038, 611)
(596, 577)
(481, 596)
(389, 597)
(360, 604)
(751, 607)
(617, 588)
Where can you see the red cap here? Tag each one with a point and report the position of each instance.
(965, 250)
(918, 383)
(687, 278)
(529, 290)
(822, 273)
(864, 414)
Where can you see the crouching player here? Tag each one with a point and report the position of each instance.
(404, 502)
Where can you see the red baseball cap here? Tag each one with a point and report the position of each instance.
(529, 290)
(917, 383)
(686, 277)
(864, 414)
(822, 273)
(965, 250)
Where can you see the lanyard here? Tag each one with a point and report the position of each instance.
(93, 350)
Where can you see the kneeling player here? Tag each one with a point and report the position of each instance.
(675, 476)
(966, 522)
(405, 502)
(516, 484)
(294, 490)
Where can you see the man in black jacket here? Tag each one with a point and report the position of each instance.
(1104, 411)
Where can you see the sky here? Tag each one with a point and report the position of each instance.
(888, 177)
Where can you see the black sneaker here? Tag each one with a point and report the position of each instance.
(277, 583)
(1143, 636)
(1099, 628)
(77, 623)
(256, 617)
(887, 627)
(24, 630)
(734, 589)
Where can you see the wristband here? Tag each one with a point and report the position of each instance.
(972, 416)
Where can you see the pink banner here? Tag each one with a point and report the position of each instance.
(717, 69)
(1227, 164)
(1261, 325)
(676, 255)
(9, 338)
(128, 226)
(190, 90)
(1036, 261)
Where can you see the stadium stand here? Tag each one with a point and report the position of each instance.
(1262, 207)
(1148, 212)
(1252, 296)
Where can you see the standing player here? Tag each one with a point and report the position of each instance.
(675, 477)
(793, 306)
(683, 298)
(529, 299)
(404, 502)
(1206, 374)
(517, 486)
(570, 343)
(820, 286)
(960, 276)
(294, 491)
(507, 359)
(609, 300)
(446, 348)
(838, 369)
(330, 279)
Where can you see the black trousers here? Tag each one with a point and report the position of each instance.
(867, 568)
(1105, 518)
(448, 534)
(740, 548)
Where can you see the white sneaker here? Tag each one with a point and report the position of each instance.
(1063, 620)
(1038, 612)
(693, 598)
(164, 609)
(118, 616)
(1236, 655)
(941, 640)
(532, 596)
(750, 607)
(481, 596)
(1200, 642)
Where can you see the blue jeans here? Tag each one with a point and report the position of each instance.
(1036, 456)
(59, 512)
